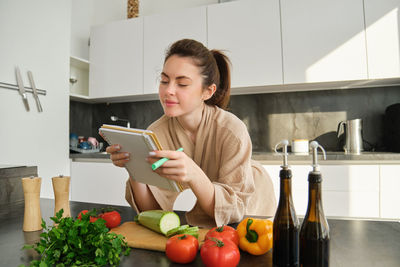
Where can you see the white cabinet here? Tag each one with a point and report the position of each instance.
(382, 32)
(79, 77)
(116, 59)
(160, 31)
(249, 33)
(347, 190)
(323, 41)
(351, 190)
(98, 182)
(390, 186)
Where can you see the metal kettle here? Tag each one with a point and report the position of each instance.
(353, 135)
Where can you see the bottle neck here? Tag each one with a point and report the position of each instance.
(285, 185)
(314, 210)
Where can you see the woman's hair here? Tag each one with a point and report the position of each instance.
(214, 67)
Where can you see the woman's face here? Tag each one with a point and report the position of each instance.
(181, 87)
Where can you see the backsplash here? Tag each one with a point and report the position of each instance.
(268, 117)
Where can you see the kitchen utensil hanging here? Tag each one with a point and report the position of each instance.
(23, 90)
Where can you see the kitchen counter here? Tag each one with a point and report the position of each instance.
(271, 158)
(353, 242)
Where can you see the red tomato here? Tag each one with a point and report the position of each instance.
(218, 253)
(92, 219)
(182, 248)
(112, 218)
(223, 233)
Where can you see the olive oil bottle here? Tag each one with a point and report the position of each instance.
(314, 233)
(286, 225)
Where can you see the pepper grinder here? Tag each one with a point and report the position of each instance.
(32, 213)
(61, 194)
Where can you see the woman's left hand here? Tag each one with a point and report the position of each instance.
(179, 167)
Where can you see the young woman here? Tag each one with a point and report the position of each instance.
(216, 163)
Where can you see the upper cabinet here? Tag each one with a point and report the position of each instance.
(249, 33)
(383, 33)
(160, 31)
(323, 41)
(116, 59)
(274, 46)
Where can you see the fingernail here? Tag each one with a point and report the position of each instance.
(126, 154)
(152, 153)
(117, 147)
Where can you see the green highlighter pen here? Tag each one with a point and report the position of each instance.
(160, 162)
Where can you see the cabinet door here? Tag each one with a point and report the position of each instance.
(249, 33)
(390, 185)
(116, 59)
(382, 30)
(97, 182)
(347, 190)
(160, 31)
(323, 41)
(350, 190)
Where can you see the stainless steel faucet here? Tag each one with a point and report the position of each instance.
(115, 118)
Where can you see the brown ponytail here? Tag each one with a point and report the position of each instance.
(214, 65)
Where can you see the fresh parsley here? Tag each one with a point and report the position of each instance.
(78, 242)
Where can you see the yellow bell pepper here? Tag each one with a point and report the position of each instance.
(255, 235)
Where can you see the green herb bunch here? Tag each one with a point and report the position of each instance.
(78, 242)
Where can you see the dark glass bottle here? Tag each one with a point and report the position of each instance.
(314, 233)
(286, 225)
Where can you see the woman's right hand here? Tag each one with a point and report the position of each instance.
(118, 158)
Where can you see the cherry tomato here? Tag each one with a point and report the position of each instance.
(182, 248)
(223, 233)
(92, 219)
(218, 253)
(112, 218)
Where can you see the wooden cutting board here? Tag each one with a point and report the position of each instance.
(138, 236)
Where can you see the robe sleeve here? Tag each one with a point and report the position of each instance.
(235, 184)
(129, 196)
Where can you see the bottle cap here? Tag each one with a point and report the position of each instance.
(285, 144)
(314, 147)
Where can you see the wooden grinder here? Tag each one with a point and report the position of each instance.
(61, 194)
(32, 214)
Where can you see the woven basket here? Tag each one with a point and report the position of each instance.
(133, 9)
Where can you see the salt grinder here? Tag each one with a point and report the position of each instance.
(32, 213)
(61, 194)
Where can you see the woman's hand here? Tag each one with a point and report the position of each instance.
(179, 167)
(118, 158)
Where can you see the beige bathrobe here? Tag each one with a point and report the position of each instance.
(223, 151)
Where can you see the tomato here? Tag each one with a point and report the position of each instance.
(218, 253)
(182, 248)
(92, 219)
(112, 218)
(223, 233)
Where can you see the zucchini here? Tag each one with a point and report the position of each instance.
(184, 229)
(159, 221)
(176, 230)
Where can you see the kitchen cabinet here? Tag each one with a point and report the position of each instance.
(104, 183)
(98, 182)
(323, 41)
(160, 31)
(390, 185)
(382, 35)
(116, 59)
(249, 33)
(79, 78)
(347, 190)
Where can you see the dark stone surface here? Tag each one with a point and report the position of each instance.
(353, 242)
(268, 117)
(11, 191)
